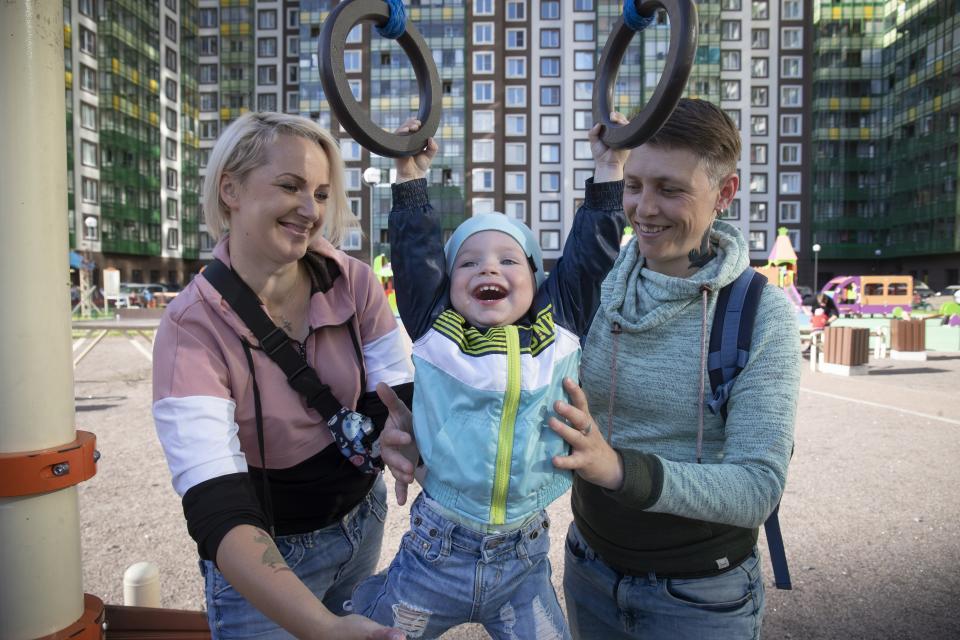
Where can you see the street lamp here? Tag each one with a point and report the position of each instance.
(371, 178)
(877, 253)
(816, 268)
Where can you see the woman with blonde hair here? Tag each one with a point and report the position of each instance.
(286, 519)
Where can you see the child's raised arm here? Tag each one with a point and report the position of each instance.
(416, 240)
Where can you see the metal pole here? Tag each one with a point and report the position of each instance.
(41, 589)
(816, 272)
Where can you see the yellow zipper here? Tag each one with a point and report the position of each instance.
(511, 403)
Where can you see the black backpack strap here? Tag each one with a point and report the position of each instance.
(731, 335)
(274, 342)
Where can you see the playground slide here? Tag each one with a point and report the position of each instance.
(794, 296)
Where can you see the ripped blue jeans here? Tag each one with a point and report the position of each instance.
(446, 574)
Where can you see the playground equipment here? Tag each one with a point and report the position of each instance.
(860, 295)
(781, 270)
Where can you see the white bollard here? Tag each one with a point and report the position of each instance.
(141, 585)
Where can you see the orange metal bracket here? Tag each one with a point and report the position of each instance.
(31, 472)
(88, 627)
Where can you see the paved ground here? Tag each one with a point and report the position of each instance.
(870, 515)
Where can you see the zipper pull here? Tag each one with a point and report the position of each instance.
(616, 328)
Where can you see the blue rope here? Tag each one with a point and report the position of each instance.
(632, 17)
(396, 24)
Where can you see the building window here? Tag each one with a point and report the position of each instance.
(790, 183)
(758, 212)
(170, 28)
(483, 62)
(356, 88)
(352, 61)
(734, 115)
(550, 182)
(730, 60)
(173, 239)
(267, 19)
(355, 35)
(583, 90)
(791, 10)
(582, 120)
(758, 183)
(515, 152)
(88, 79)
(791, 38)
(729, 89)
(88, 8)
(483, 91)
(172, 179)
(760, 67)
(208, 73)
(550, 10)
(549, 67)
(550, 153)
(206, 241)
(482, 150)
(88, 116)
(209, 101)
(583, 5)
(352, 240)
(88, 153)
(730, 5)
(267, 74)
(583, 60)
(582, 150)
(293, 101)
(550, 211)
(88, 41)
(208, 18)
(483, 121)
(760, 10)
(732, 212)
(293, 18)
(516, 38)
(516, 124)
(483, 179)
(789, 212)
(516, 67)
(760, 39)
(758, 125)
(351, 179)
(791, 96)
(549, 96)
(483, 33)
(483, 7)
(516, 182)
(208, 129)
(550, 240)
(759, 96)
(550, 38)
(791, 67)
(170, 89)
(209, 45)
(790, 125)
(350, 149)
(173, 209)
(550, 124)
(730, 30)
(758, 241)
(583, 32)
(790, 153)
(516, 209)
(91, 190)
(516, 10)
(293, 73)
(758, 154)
(170, 149)
(580, 177)
(267, 47)
(516, 95)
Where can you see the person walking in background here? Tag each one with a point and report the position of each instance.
(285, 524)
(667, 498)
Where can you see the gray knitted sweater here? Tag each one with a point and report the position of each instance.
(655, 379)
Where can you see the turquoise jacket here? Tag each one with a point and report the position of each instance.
(482, 397)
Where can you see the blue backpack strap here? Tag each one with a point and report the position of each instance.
(730, 340)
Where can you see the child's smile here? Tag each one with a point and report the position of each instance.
(491, 284)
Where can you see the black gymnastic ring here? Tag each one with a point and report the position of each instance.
(348, 111)
(683, 47)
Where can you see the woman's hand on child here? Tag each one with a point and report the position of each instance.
(609, 162)
(591, 457)
(414, 167)
(397, 446)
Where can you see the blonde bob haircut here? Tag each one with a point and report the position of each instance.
(243, 147)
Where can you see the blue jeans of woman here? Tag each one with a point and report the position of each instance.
(330, 561)
(603, 604)
(447, 574)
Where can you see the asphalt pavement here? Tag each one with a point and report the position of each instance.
(870, 516)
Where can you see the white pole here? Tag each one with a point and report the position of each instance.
(41, 590)
(141, 585)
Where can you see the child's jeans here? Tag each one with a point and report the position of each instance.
(446, 574)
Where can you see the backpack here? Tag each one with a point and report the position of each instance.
(730, 338)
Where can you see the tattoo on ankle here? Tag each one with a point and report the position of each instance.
(703, 255)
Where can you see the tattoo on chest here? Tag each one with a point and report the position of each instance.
(704, 254)
(287, 325)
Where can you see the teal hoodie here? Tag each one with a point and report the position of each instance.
(673, 515)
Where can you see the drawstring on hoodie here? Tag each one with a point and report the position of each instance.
(705, 292)
(616, 331)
